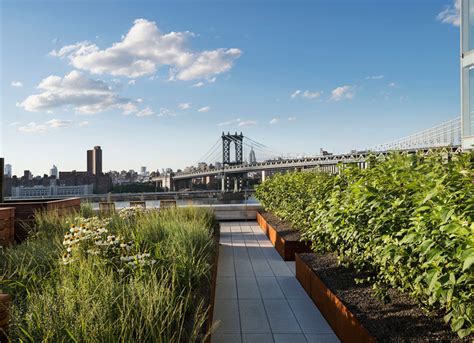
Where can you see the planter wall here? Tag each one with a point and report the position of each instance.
(343, 322)
(210, 313)
(25, 211)
(4, 307)
(286, 249)
(7, 226)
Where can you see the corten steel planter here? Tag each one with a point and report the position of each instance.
(4, 311)
(25, 211)
(343, 322)
(7, 226)
(286, 249)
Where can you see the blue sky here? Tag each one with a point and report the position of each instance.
(155, 83)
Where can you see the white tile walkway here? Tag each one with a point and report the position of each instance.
(258, 298)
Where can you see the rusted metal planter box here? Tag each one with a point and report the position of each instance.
(343, 322)
(286, 249)
(7, 226)
(4, 315)
(25, 211)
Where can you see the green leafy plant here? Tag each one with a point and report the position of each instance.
(407, 219)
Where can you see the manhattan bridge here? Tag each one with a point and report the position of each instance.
(225, 158)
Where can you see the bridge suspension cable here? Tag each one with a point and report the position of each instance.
(445, 134)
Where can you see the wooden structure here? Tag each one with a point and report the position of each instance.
(106, 207)
(7, 226)
(168, 204)
(25, 211)
(139, 203)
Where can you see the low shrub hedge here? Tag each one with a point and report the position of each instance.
(407, 219)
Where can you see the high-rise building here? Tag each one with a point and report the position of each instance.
(252, 158)
(27, 175)
(94, 161)
(467, 73)
(143, 170)
(54, 171)
(7, 170)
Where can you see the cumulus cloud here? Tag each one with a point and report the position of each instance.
(291, 118)
(374, 77)
(83, 123)
(144, 49)
(75, 90)
(343, 92)
(198, 84)
(131, 82)
(15, 123)
(204, 109)
(451, 14)
(238, 122)
(274, 121)
(16, 84)
(184, 106)
(306, 94)
(392, 84)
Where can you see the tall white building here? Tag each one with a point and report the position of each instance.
(467, 73)
(7, 170)
(54, 171)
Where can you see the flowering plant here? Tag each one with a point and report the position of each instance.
(91, 237)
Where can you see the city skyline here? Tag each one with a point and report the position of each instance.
(155, 85)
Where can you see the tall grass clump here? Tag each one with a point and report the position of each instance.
(406, 219)
(137, 276)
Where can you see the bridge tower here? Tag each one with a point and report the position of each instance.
(233, 182)
(227, 140)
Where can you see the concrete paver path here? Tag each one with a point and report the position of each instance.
(258, 298)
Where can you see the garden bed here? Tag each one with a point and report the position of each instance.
(357, 315)
(285, 239)
(137, 275)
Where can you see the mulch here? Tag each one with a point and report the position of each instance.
(401, 320)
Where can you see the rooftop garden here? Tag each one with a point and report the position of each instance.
(136, 275)
(405, 223)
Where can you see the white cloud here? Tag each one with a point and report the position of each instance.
(144, 49)
(33, 127)
(245, 123)
(131, 82)
(147, 111)
(184, 106)
(57, 123)
(392, 84)
(83, 124)
(343, 92)
(204, 109)
(15, 123)
(75, 90)
(374, 77)
(274, 121)
(306, 94)
(198, 84)
(291, 118)
(16, 84)
(451, 14)
(295, 93)
(164, 112)
(230, 122)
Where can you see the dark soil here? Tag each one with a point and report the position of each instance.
(284, 228)
(401, 320)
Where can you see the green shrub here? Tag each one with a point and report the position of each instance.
(407, 219)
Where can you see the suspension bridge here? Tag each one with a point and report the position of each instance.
(224, 163)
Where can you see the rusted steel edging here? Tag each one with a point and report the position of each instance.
(286, 249)
(346, 326)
